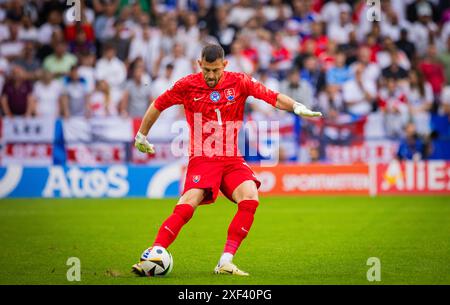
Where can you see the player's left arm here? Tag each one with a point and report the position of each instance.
(284, 102)
(278, 100)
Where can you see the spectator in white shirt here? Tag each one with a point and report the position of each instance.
(182, 65)
(241, 13)
(12, 47)
(53, 24)
(86, 70)
(340, 31)
(372, 70)
(45, 96)
(423, 29)
(359, 94)
(237, 62)
(28, 31)
(330, 12)
(147, 47)
(111, 68)
(100, 102)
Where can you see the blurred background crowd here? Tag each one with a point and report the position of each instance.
(372, 80)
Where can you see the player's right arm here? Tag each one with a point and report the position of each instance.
(169, 98)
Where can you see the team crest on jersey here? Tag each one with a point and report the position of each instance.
(229, 94)
(214, 96)
(196, 178)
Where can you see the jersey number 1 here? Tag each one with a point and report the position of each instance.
(219, 117)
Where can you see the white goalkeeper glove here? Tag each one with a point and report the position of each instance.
(302, 110)
(142, 144)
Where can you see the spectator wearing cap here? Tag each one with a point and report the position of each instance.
(15, 98)
(60, 62)
(415, 9)
(424, 28)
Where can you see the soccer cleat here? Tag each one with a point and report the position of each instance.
(229, 268)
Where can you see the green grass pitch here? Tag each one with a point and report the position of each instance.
(302, 240)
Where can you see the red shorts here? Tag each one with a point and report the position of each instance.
(213, 175)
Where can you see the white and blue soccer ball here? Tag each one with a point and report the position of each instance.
(156, 261)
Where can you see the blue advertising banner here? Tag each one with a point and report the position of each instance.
(80, 182)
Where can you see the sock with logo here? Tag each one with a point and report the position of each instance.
(173, 224)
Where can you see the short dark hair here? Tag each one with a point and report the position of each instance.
(212, 52)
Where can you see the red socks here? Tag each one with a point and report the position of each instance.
(237, 231)
(170, 228)
(240, 225)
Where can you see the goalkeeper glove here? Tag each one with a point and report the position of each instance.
(142, 144)
(302, 110)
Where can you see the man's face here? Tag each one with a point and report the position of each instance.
(212, 71)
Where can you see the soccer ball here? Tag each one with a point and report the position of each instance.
(156, 261)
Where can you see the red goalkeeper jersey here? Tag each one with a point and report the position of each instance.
(214, 115)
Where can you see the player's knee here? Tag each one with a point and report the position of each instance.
(248, 205)
(246, 191)
(193, 197)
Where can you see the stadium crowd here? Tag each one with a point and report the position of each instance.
(330, 55)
